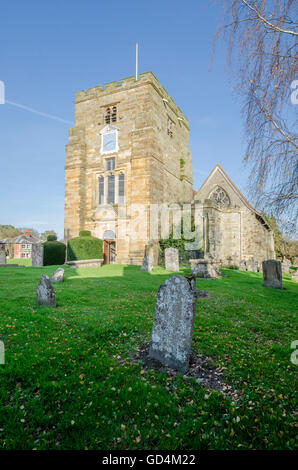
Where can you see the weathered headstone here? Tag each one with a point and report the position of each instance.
(173, 323)
(172, 259)
(252, 265)
(295, 276)
(2, 257)
(37, 255)
(57, 276)
(45, 292)
(285, 266)
(242, 265)
(272, 274)
(144, 266)
(205, 268)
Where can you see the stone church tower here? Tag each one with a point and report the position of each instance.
(128, 147)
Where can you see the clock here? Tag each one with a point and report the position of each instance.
(109, 140)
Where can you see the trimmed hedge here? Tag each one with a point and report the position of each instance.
(51, 238)
(53, 252)
(85, 233)
(84, 247)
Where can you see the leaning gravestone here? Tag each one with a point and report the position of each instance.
(45, 292)
(272, 274)
(2, 257)
(57, 276)
(172, 259)
(37, 255)
(173, 323)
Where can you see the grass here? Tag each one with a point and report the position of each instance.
(19, 261)
(69, 383)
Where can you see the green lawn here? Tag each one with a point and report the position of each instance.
(19, 261)
(69, 382)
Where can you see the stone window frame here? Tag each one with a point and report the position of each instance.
(170, 127)
(104, 177)
(110, 114)
(106, 131)
(217, 189)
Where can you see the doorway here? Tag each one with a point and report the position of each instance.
(109, 251)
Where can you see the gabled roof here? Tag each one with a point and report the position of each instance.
(219, 169)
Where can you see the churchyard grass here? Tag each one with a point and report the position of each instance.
(69, 381)
(19, 261)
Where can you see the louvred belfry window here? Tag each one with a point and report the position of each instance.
(110, 115)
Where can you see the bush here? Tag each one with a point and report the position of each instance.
(51, 238)
(85, 233)
(54, 252)
(184, 255)
(84, 247)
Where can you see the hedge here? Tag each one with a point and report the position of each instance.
(84, 247)
(53, 253)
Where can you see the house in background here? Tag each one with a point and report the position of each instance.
(20, 246)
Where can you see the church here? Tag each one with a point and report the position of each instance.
(128, 151)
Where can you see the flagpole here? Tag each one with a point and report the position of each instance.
(137, 61)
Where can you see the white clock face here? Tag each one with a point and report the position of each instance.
(109, 142)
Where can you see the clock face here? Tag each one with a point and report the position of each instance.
(109, 142)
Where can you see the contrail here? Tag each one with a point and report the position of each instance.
(50, 116)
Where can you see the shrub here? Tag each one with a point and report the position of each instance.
(85, 233)
(54, 252)
(51, 238)
(84, 247)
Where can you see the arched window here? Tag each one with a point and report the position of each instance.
(121, 188)
(101, 189)
(111, 189)
(220, 196)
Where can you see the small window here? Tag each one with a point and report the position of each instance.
(110, 115)
(110, 164)
(23, 255)
(111, 189)
(121, 188)
(101, 189)
(23, 246)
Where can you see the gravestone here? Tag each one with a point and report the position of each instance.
(285, 266)
(173, 323)
(172, 259)
(272, 274)
(144, 266)
(205, 268)
(45, 292)
(252, 265)
(295, 276)
(242, 265)
(57, 276)
(37, 255)
(2, 257)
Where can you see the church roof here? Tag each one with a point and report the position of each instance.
(228, 180)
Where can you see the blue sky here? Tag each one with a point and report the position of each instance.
(49, 50)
